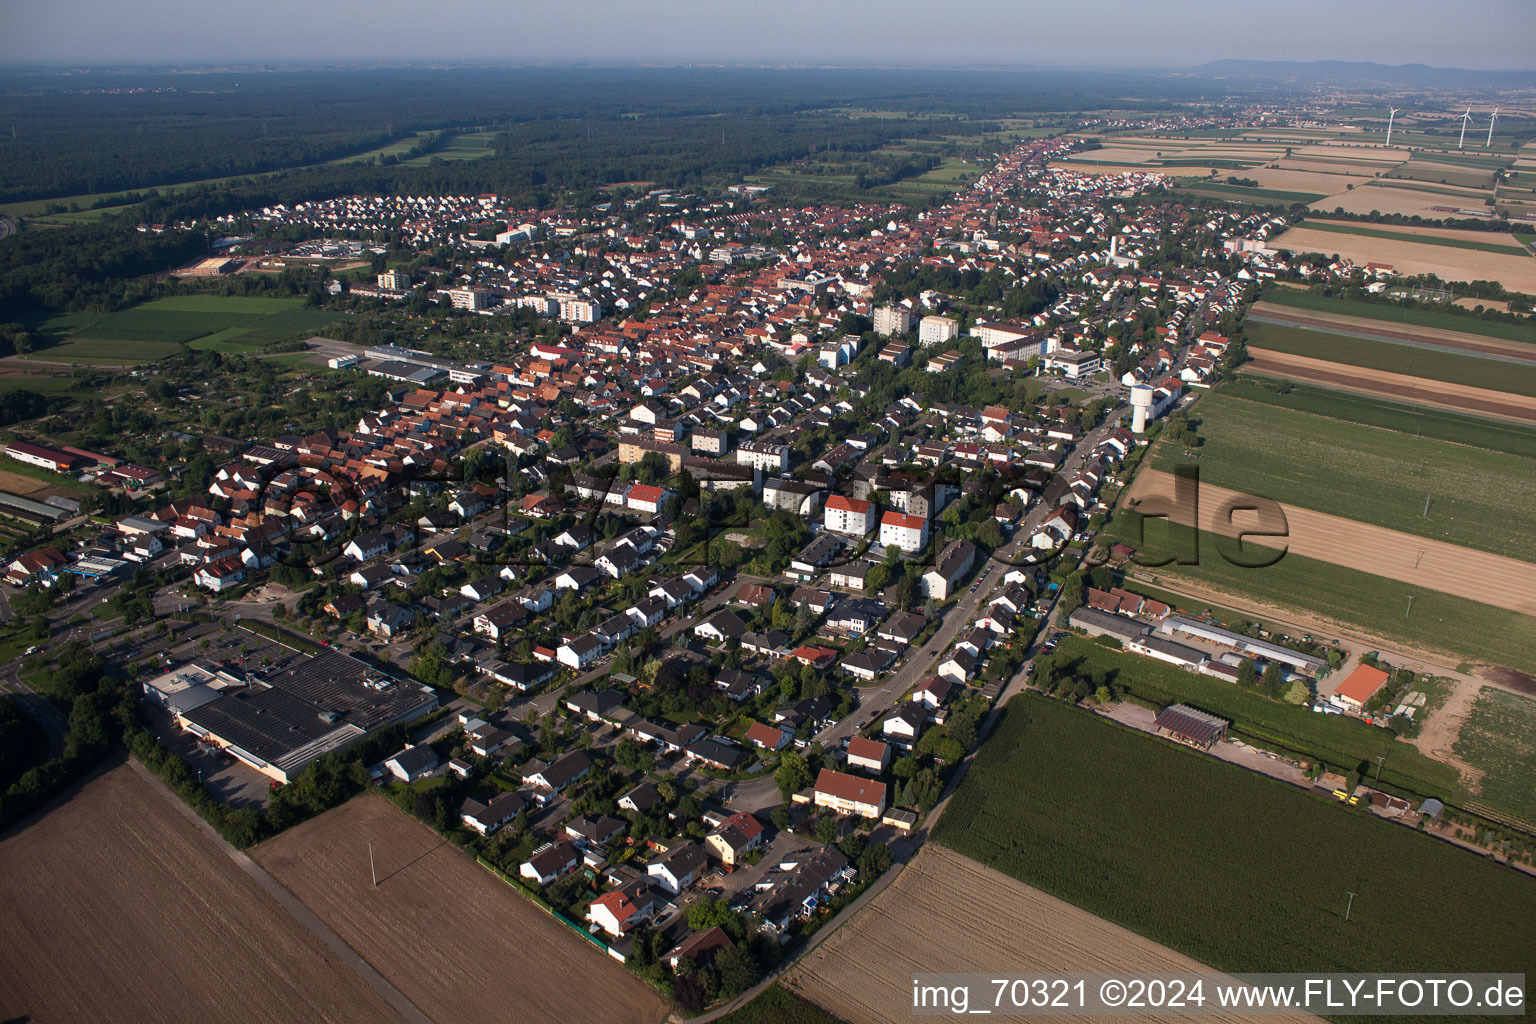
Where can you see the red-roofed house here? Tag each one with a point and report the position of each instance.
(907, 532)
(1362, 684)
(871, 755)
(847, 515)
(646, 498)
(619, 911)
(849, 794)
(772, 737)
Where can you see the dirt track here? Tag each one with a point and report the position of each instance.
(1521, 350)
(1395, 386)
(455, 940)
(116, 908)
(947, 913)
(1432, 564)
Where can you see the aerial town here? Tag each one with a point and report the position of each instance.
(667, 560)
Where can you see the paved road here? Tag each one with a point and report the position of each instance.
(39, 707)
(290, 903)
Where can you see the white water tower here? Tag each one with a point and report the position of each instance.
(1142, 400)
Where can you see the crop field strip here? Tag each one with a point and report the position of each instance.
(1406, 419)
(1474, 348)
(115, 878)
(1516, 272)
(1395, 387)
(1195, 853)
(948, 913)
(1396, 314)
(1378, 354)
(1351, 228)
(1477, 499)
(480, 928)
(1499, 739)
(1376, 607)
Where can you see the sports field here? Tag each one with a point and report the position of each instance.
(1237, 870)
(155, 330)
(116, 907)
(1337, 597)
(1475, 498)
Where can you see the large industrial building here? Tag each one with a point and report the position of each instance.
(279, 721)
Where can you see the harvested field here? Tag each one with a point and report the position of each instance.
(1409, 201)
(116, 907)
(1395, 386)
(1517, 273)
(1292, 180)
(1387, 331)
(1420, 561)
(490, 949)
(970, 918)
(18, 484)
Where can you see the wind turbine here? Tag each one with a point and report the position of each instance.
(1464, 119)
(1491, 121)
(1389, 124)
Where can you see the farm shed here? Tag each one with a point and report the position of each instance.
(1192, 726)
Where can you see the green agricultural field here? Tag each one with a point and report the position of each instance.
(1407, 419)
(1340, 742)
(1443, 320)
(1395, 357)
(1445, 174)
(1499, 738)
(1265, 197)
(1239, 871)
(1478, 498)
(104, 352)
(777, 1005)
(154, 330)
(1349, 597)
(1406, 236)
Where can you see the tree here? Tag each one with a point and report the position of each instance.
(1247, 675)
(793, 773)
(828, 829)
(738, 970)
(874, 861)
(1273, 682)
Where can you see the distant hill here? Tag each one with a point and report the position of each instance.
(1420, 76)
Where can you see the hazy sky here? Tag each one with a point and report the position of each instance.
(1139, 33)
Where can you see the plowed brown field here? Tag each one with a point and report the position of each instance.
(946, 913)
(454, 939)
(1394, 386)
(115, 907)
(1433, 564)
(1517, 273)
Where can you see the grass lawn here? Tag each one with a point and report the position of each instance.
(1340, 742)
(1406, 236)
(1479, 499)
(1468, 629)
(1499, 737)
(1237, 870)
(1413, 360)
(1408, 419)
(1442, 319)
